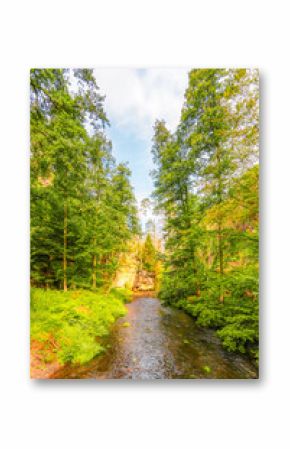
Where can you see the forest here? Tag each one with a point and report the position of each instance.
(83, 213)
(89, 254)
(207, 186)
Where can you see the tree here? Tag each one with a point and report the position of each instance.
(149, 254)
(82, 206)
(206, 185)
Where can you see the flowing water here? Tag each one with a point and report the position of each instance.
(157, 342)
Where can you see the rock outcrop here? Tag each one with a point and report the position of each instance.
(125, 277)
(144, 281)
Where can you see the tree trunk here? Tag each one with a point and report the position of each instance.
(94, 266)
(65, 246)
(94, 272)
(221, 262)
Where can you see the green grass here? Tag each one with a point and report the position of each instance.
(70, 325)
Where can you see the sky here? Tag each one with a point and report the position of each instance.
(134, 99)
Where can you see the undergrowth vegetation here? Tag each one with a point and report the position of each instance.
(206, 181)
(236, 321)
(70, 325)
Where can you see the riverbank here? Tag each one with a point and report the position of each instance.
(154, 341)
(70, 327)
(236, 323)
(140, 294)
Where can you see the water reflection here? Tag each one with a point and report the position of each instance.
(157, 342)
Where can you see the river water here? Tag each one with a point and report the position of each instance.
(157, 342)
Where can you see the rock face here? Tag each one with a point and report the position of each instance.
(144, 281)
(125, 277)
(129, 274)
(126, 273)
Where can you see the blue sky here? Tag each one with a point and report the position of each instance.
(135, 98)
(128, 147)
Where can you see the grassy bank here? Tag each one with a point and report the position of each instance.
(68, 327)
(236, 322)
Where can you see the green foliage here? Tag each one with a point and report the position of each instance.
(206, 182)
(83, 209)
(74, 322)
(123, 294)
(236, 321)
(206, 369)
(126, 324)
(149, 254)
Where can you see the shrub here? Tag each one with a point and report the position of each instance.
(72, 323)
(236, 321)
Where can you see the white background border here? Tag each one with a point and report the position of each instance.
(171, 414)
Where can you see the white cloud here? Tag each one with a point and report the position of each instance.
(136, 98)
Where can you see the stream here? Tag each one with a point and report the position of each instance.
(157, 342)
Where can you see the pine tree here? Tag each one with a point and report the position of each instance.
(82, 206)
(149, 254)
(206, 185)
